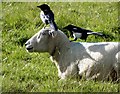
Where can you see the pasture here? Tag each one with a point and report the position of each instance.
(34, 72)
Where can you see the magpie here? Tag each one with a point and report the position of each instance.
(47, 16)
(81, 33)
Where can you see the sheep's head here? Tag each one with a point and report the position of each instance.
(40, 41)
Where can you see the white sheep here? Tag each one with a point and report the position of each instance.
(91, 60)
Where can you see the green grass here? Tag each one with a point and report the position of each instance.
(34, 72)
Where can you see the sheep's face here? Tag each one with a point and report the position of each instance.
(39, 42)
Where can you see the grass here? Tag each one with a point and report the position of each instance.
(34, 72)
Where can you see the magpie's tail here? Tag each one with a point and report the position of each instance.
(54, 26)
(95, 33)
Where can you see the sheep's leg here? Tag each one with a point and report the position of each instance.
(118, 72)
(113, 75)
(61, 75)
(117, 66)
(70, 71)
(118, 69)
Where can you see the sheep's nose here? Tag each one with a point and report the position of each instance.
(27, 43)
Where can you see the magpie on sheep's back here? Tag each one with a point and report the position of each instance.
(47, 16)
(81, 33)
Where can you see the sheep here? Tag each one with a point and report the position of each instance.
(88, 60)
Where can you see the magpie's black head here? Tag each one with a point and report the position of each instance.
(69, 27)
(44, 7)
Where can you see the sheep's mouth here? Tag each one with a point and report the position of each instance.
(29, 49)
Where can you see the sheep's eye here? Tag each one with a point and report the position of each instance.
(38, 36)
(43, 33)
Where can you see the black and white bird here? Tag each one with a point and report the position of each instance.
(81, 33)
(47, 16)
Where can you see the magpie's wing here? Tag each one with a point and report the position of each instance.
(53, 25)
(50, 16)
(78, 30)
(51, 21)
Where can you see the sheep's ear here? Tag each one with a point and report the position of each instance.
(53, 33)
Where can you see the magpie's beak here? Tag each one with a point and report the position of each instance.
(64, 28)
(38, 6)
